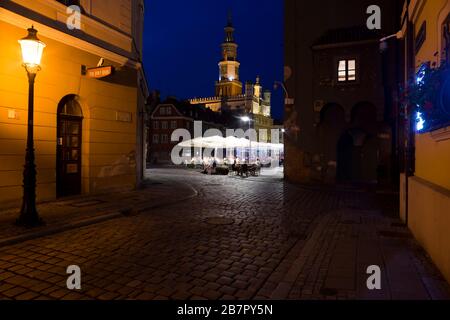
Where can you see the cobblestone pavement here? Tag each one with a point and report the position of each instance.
(238, 239)
(72, 211)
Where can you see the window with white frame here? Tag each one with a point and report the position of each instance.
(155, 125)
(347, 70)
(162, 111)
(164, 125)
(155, 138)
(169, 111)
(173, 124)
(164, 138)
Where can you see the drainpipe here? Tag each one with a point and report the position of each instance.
(407, 75)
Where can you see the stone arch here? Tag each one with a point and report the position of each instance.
(70, 105)
(80, 100)
(332, 113)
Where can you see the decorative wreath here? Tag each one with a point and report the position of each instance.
(429, 95)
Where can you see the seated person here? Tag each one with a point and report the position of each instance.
(213, 167)
(244, 169)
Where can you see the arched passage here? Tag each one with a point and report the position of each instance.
(68, 152)
(357, 154)
(332, 124)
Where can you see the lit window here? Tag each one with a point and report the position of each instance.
(347, 70)
(342, 72)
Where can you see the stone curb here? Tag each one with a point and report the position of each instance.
(264, 179)
(107, 215)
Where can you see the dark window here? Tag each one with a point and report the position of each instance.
(72, 3)
(446, 39)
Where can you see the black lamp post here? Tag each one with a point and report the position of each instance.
(32, 49)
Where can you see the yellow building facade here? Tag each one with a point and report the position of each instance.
(425, 202)
(87, 130)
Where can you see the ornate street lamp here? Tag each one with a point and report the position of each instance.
(32, 49)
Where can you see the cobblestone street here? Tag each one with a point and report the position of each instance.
(237, 239)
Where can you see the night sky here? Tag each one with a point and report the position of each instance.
(182, 45)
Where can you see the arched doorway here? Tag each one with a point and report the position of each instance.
(68, 153)
(345, 158)
(332, 124)
(357, 154)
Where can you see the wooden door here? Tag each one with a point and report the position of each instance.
(69, 155)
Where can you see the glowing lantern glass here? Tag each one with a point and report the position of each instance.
(32, 49)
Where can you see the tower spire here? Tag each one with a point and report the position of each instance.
(230, 18)
(229, 29)
(229, 84)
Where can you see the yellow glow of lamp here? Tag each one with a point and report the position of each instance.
(32, 49)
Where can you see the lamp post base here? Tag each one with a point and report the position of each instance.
(29, 221)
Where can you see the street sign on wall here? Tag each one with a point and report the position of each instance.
(99, 72)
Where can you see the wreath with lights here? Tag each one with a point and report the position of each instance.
(429, 96)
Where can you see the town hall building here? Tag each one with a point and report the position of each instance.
(230, 94)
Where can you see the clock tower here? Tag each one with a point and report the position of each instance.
(229, 84)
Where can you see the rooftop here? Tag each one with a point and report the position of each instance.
(345, 35)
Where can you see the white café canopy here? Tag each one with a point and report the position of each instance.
(218, 142)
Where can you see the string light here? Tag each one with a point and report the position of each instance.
(420, 125)
(420, 76)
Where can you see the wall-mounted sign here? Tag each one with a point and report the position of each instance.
(124, 116)
(99, 72)
(13, 114)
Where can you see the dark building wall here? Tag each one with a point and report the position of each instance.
(308, 147)
(166, 124)
(367, 88)
(181, 116)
